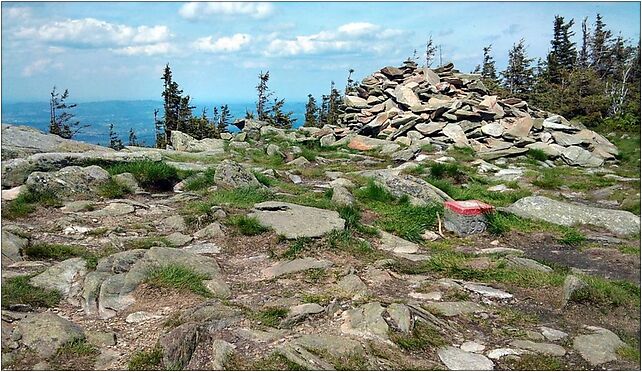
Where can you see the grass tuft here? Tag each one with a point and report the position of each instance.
(247, 225)
(150, 360)
(77, 354)
(422, 338)
(537, 154)
(374, 192)
(607, 294)
(17, 290)
(296, 247)
(60, 252)
(27, 202)
(113, 189)
(178, 277)
(270, 316)
(201, 181)
(265, 180)
(151, 175)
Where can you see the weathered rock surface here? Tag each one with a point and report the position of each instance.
(20, 141)
(561, 213)
(419, 191)
(184, 142)
(44, 333)
(12, 245)
(68, 182)
(66, 277)
(456, 359)
(295, 221)
(288, 267)
(230, 174)
(366, 321)
(599, 347)
(539, 347)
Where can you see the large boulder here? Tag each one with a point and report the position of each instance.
(69, 182)
(65, 277)
(12, 245)
(16, 171)
(295, 221)
(575, 155)
(561, 213)
(184, 142)
(109, 289)
(21, 141)
(419, 191)
(44, 333)
(599, 347)
(232, 175)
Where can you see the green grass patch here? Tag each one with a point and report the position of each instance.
(374, 192)
(462, 154)
(27, 202)
(246, 225)
(273, 362)
(296, 247)
(148, 360)
(405, 220)
(200, 181)
(265, 180)
(572, 237)
(537, 154)
(479, 191)
(151, 175)
(77, 354)
(607, 294)
(536, 362)
(17, 290)
(345, 241)
(417, 170)
(60, 252)
(273, 161)
(178, 277)
(113, 189)
(146, 242)
(271, 316)
(421, 338)
(241, 198)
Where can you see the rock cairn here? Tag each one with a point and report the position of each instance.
(413, 105)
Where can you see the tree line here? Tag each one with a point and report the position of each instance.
(596, 82)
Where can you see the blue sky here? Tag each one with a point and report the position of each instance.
(104, 51)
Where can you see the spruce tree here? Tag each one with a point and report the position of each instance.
(61, 122)
(561, 58)
(334, 105)
(161, 138)
(488, 70)
(431, 48)
(264, 95)
(583, 56)
(311, 113)
(600, 46)
(114, 142)
(133, 139)
(518, 76)
(224, 121)
(278, 118)
(324, 110)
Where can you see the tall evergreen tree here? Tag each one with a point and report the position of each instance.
(171, 102)
(264, 95)
(224, 121)
(161, 137)
(518, 76)
(114, 142)
(61, 122)
(279, 118)
(133, 139)
(488, 70)
(583, 55)
(600, 46)
(311, 113)
(334, 105)
(431, 49)
(324, 110)
(562, 56)
(351, 85)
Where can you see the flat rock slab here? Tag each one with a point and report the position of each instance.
(295, 221)
(366, 321)
(454, 308)
(288, 267)
(395, 244)
(44, 333)
(487, 291)
(456, 359)
(539, 347)
(65, 277)
(599, 347)
(561, 213)
(336, 346)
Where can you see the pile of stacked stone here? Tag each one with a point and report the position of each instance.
(414, 105)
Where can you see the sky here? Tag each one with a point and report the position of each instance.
(116, 51)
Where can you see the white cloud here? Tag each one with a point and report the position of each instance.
(232, 43)
(17, 13)
(148, 49)
(94, 33)
(202, 10)
(350, 37)
(40, 66)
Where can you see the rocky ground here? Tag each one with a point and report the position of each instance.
(284, 250)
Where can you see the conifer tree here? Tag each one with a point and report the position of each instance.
(561, 58)
(224, 121)
(600, 46)
(311, 113)
(324, 110)
(61, 122)
(518, 76)
(133, 139)
(278, 118)
(161, 138)
(431, 49)
(114, 142)
(264, 95)
(583, 56)
(488, 70)
(334, 105)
